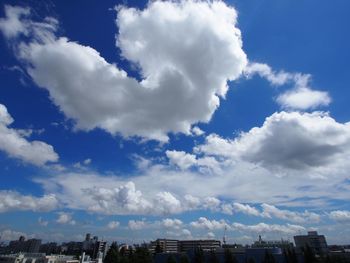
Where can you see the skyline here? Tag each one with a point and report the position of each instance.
(174, 119)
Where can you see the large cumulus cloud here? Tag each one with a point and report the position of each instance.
(186, 52)
(287, 140)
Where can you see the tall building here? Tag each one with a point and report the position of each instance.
(100, 247)
(316, 242)
(22, 245)
(33, 245)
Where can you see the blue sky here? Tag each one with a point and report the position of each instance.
(135, 121)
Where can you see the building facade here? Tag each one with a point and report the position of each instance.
(205, 245)
(316, 242)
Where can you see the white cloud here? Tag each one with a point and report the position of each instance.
(245, 209)
(303, 98)
(113, 224)
(123, 199)
(215, 145)
(300, 97)
(197, 131)
(167, 203)
(204, 223)
(87, 161)
(244, 183)
(82, 165)
(185, 161)
(13, 24)
(181, 159)
(191, 202)
(210, 235)
(293, 159)
(287, 140)
(65, 218)
(341, 216)
(186, 233)
(211, 203)
(265, 71)
(13, 201)
(177, 70)
(42, 222)
(271, 211)
(266, 228)
(137, 224)
(9, 235)
(172, 223)
(14, 143)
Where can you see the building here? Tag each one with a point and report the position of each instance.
(71, 248)
(100, 247)
(87, 259)
(36, 258)
(283, 244)
(316, 242)
(206, 245)
(22, 245)
(49, 248)
(174, 246)
(60, 259)
(164, 245)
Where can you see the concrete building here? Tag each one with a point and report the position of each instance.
(206, 245)
(22, 245)
(165, 245)
(174, 246)
(36, 258)
(87, 259)
(93, 246)
(49, 248)
(100, 247)
(71, 248)
(316, 242)
(283, 244)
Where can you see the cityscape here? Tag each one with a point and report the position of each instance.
(174, 131)
(311, 247)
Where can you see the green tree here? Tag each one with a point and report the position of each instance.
(184, 259)
(124, 260)
(158, 249)
(198, 256)
(269, 258)
(213, 258)
(309, 255)
(229, 257)
(171, 259)
(112, 255)
(290, 255)
(141, 255)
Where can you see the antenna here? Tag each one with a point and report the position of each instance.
(224, 237)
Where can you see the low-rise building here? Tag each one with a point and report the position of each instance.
(283, 244)
(164, 245)
(205, 245)
(36, 258)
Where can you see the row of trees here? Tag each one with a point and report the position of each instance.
(142, 255)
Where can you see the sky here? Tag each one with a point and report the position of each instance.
(139, 120)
